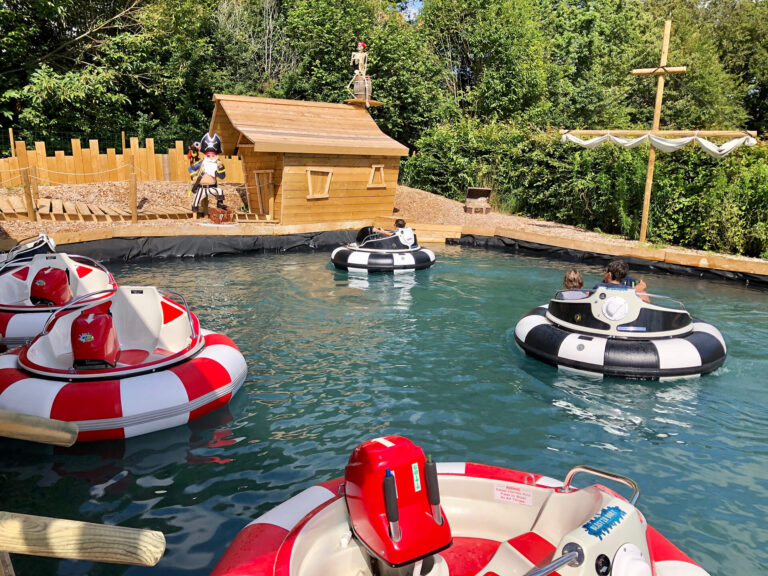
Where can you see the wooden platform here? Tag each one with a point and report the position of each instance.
(13, 208)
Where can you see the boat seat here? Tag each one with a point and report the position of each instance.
(138, 317)
(560, 514)
(565, 511)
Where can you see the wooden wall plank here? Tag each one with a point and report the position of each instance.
(61, 167)
(149, 146)
(77, 161)
(88, 171)
(93, 146)
(43, 164)
(111, 165)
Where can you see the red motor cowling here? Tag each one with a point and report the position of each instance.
(394, 503)
(94, 339)
(50, 287)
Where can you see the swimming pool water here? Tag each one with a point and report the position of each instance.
(335, 359)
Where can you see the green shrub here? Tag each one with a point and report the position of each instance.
(697, 201)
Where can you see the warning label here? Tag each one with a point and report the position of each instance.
(513, 494)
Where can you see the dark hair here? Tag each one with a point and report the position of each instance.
(618, 270)
(399, 223)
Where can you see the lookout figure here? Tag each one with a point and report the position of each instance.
(360, 85)
(360, 59)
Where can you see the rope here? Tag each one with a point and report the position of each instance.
(81, 173)
(52, 183)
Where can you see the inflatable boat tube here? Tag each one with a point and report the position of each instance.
(494, 520)
(376, 253)
(613, 332)
(133, 364)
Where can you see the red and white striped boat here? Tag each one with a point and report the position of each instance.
(129, 362)
(32, 287)
(396, 514)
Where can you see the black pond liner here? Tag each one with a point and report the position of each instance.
(597, 259)
(136, 248)
(145, 247)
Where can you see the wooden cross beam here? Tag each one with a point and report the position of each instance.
(661, 71)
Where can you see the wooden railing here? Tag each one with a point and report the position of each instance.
(90, 166)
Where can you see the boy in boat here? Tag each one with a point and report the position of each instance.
(616, 274)
(403, 232)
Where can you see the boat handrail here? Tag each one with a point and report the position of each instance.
(371, 238)
(71, 304)
(602, 474)
(586, 293)
(95, 263)
(186, 306)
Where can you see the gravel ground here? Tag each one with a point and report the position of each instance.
(413, 205)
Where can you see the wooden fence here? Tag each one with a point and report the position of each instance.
(90, 166)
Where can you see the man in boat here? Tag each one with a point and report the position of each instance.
(206, 175)
(403, 232)
(616, 273)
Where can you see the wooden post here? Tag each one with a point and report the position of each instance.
(132, 190)
(13, 147)
(6, 567)
(37, 429)
(122, 142)
(24, 173)
(656, 121)
(33, 184)
(56, 538)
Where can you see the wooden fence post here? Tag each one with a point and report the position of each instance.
(122, 142)
(33, 184)
(132, 190)
(13, 146)
(6, 568)
(24, 173)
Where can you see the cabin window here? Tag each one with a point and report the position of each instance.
(376, 179)
(318, 183)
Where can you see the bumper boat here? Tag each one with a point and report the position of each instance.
(34, 286)
(373, 252)
(613, 332)
(132, 362)
(396, 514)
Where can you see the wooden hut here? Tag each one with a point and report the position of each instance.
(309, 162)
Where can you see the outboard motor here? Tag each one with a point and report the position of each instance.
(94, 339)
(393, 500)
(50, 287)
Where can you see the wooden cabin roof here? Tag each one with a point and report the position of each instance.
(274, 125)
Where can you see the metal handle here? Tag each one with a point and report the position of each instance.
(95, 263)
(71, 304)
(573, 555)
(602, 474)
(189, 314)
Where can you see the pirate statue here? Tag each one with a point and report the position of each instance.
(360, 85)
(207, 173)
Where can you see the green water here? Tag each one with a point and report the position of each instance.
(334, 360)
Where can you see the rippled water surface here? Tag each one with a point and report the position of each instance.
(335, 359)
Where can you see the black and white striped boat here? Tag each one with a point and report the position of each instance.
(613, 332)
(375, 253)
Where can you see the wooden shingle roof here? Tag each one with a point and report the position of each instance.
(274, 125)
